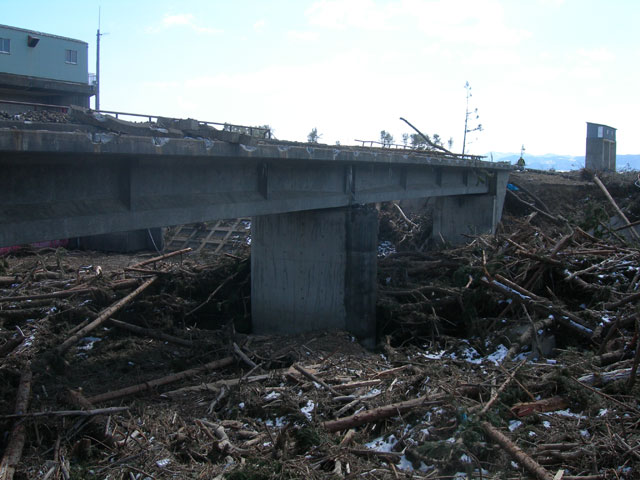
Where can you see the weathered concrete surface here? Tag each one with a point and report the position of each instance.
(460, 215)
(68, 184)
(315, 270)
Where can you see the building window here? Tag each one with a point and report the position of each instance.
(71, 56)
(5, 45)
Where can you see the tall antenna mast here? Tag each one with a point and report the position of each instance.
(478, 128)
(466, 117)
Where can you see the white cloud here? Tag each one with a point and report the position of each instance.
(596, 55)
(259, 25)
(303, 36)
(473, 22)
(339, 14)
(553, 3)
(183, 20)
(180, 19)
(477, 22)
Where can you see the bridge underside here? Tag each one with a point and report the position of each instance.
(51, 195)
(313, 250)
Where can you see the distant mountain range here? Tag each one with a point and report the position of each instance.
(551, 161)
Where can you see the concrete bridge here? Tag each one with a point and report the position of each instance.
(314, 242)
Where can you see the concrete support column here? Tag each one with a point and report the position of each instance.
(457, 215)
(315, 270)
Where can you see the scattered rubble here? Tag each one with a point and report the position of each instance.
(515, 356)
(36, 116)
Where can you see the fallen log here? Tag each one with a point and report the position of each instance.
(13, 450)
(123, 284)
(539, 406)
(67, 413)
(231, 382)
(9, 279)
(623, 301)
(378, 413)
(358, 384)
(608, 397)
(615, 206)
(613, 357)
(15, 315)
(103, 317)
(636, 358)
(598, 379)
(521, 295)
(213, 386)
(11, 345)
(516, 452)
(141, 387)
(148, 332)
(161, 257)
(314, 378)
(60, 294)
(528, 336)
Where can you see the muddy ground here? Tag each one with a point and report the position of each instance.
(512, 357)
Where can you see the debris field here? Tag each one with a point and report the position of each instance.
(514, 356)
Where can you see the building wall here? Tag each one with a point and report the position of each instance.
(47, 59)
(601, 148)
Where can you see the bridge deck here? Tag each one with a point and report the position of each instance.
(65, 181)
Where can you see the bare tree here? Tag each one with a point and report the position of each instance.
(313, 136)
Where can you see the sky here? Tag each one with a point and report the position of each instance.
(538, 69)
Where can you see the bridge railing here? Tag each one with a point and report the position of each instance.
(376, 144)
(262, 132)
(372, 143)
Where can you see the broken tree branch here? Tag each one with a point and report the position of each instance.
(615, 206)
(67, 413)
(13, 450)
(521, 295)
(211, 295)
(379, 413)
(120, 285)
(314, 378)
(103, 317)
(243, 356)
(533, 207)
(161, 257)
(141, 387)
(151, 333)
(504, 385)
(11, 345)
(516, 452)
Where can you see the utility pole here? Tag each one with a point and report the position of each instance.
(98, 35)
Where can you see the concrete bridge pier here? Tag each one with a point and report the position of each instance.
(315, 270)
(457, 215)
